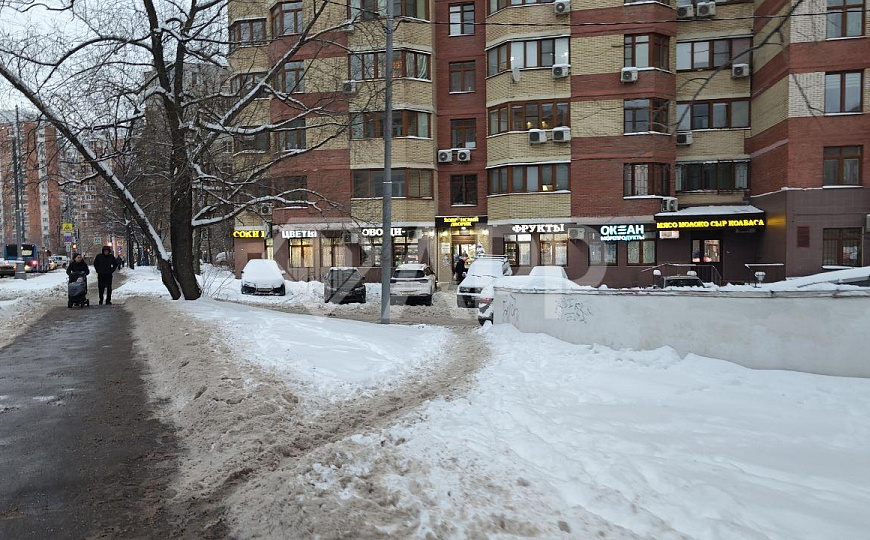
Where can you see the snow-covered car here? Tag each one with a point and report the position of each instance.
(344, 284)
(413, 280)
(482, 272)
(549, 281)
(549, 271)
(60, 260)
(263, 276)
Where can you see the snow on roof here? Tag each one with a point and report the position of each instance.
(725, 210)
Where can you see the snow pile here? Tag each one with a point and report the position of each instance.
(571, 441)
(141, 281)
(328, 357)
(35, 286)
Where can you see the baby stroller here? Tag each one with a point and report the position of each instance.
(77, 290)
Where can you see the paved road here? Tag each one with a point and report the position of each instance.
(81, 454)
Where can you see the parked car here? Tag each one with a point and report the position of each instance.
(263, 276)
(7, 268)
(481, 273)
(413, 281)
(549, 271)
(60, 260)
(682, 281)
(548, 280)
(344, 284)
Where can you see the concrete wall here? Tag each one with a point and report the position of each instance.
(820, 333)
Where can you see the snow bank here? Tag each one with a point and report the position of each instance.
(141, 281)
(35, 286)
(571, 441)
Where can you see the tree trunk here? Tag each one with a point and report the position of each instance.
(168, 279)
(181, 229)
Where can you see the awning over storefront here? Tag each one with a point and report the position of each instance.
(740, 216)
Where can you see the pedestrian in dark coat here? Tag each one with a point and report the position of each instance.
(78, 264)
(459, 269)
(105, 265)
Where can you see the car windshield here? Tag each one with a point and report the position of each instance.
(343, 275)
(409, 274)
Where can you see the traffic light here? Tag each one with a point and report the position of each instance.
(75, 246)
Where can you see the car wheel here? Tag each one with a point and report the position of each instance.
(427, 300)
(282, 291)
(69, 304)
(460, 302)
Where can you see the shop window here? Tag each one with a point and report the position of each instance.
(301, 252)
(642, 252)
(706, 251)
(843, 92)
(601, 253)
(247, 32)
(640, 179)
(372, 65)
(529, 178)
(463, 189)
(841, 247)
(518, 249)
(462, 77)
(712, 54)
(845, 18)
(463, 133)
(287, 19)
(645, 115)
(842, 165)
(498, 5)
(332, 252)
(713, 176)
(405, 250)
(371, 251)
(719, 114)
(294, 137)
(245, 82)
(648, 50)
(554, 249)
(462, 19)
(530, 115)
(411, 183)
(291, 78)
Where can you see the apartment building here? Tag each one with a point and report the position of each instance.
(605, 136)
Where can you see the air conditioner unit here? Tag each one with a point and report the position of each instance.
(561, 70)
(670, 204)
(705, 9)
(739, 71)
(628, 75)
(562, 7)
(348, 87)
(445, 156)
(537, 136)
(561, 134)
(266, 209)
(686, 12)
(576, 233)
(463, 155)
(684, 138)
(347, 26)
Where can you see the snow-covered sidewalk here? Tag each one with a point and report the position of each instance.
(35, 286)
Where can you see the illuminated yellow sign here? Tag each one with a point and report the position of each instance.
(710, 224)
(250, 234)
(461, 221)
(67, 227)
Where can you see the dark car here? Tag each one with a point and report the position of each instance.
(682, 281)
(344, 285)
(7, 268)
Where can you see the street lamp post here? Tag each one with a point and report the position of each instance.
(387, 238)
(19, 212)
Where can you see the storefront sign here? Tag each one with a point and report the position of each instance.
(256, 233)
(67, 227)
(459, 221)
(378, 231)
(669, 235)
(711, 224)
(539, 228)
(298, 234)
(621, 233)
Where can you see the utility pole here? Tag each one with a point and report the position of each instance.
(387, 226)
(19, 213)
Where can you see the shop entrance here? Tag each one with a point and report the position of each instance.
(464, 245)
(707, 250)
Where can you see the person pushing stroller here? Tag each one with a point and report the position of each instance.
(78, 272)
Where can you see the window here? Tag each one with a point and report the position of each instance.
(463, 189)
(405, 124)
(527, 54)
(291, 77)
(554, 249)
(842, 165)
(498, 5)
(601, 253)
(642, 252)
(722, 114)
(645, 115)
(372, 9)
(646, 179)
(287, 19)
(405, 250)
(525, 116)
(645, 51)
(843, 92)
(841, 247)
(301, 252)
(711, 54)
(706, 251)
(243, 83)
(248, 32)
(408, 64)
(713, 176)
(252, 143)
(529, 178)
(518, 249)
(845, 18)
(412, 183)
(292, 188)
(462, 133)
(462, 77)
(803, 236)
(462, 19)
(294, 137)
(331, 252)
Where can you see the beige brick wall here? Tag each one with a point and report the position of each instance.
(809, 28)
(719, 26)
(515, 148)
(535, 84)
(529, 206)
(501, 22)
(407, 152)
(319, 130)
(718, 85)
(596, 54)
(764, 53)
(406, 93)
(715, 144)
(245, 59)
(369, 36)
(596, 118)
(325, 74)
(247, 9)
(370, 210)
(770, 107)
(254, 114)
(806, 93)
(596, 4)
(331, 17)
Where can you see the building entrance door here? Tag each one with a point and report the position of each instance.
(707, 250)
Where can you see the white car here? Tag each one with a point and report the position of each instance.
(413, 281)
(263, 276)
(60, 260)
(544, 280)
(482, 272)
(549, 271)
